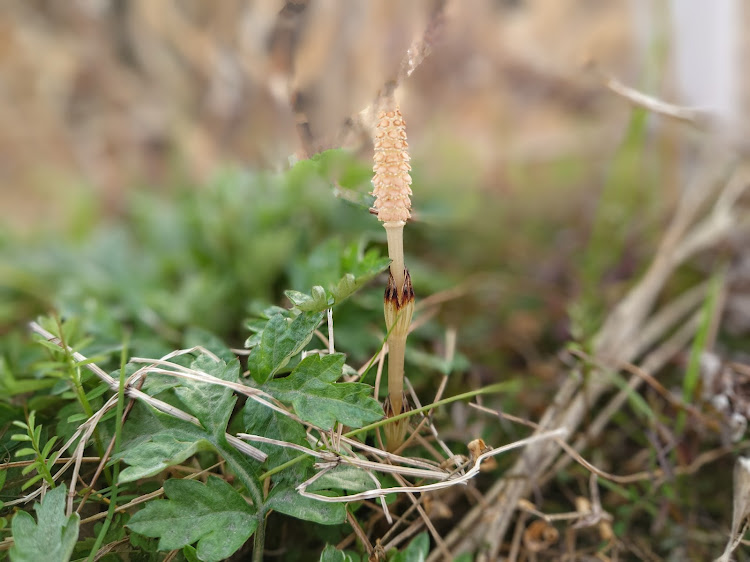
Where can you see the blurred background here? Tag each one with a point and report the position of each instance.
(114, 95)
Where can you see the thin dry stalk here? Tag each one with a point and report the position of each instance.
(448, 482)
(699, 118)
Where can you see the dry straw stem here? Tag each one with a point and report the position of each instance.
(691, 230)
(741, 507)
(699, 118)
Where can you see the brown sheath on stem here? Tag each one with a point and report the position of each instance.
(398, 307)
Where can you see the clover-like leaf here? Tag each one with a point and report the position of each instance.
(281, 340)
(52, 537)
(317, 398)
(213, 514)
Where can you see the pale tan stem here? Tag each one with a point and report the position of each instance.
(396, 350)
(395, 234)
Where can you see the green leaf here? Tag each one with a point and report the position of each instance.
(330, 554)
(25, 452)
(74, 418)
(198, 336)
(318, 399)
(358, 273)
(317, 301)
(154, 441)
(31, 481)
(326, 265)
(281, 340)
(285, 499)
(52, 538)
(48, 447)
(345, 478)
(214, 515)
(190, 554)
(210, 403)
(261, 420)
(417, 550)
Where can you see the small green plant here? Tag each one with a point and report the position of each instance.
(32, 437)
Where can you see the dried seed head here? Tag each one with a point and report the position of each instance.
(398, 305)
(391, 182)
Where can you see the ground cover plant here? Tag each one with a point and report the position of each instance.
(224, 372)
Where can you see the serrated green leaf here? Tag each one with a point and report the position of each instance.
(285, 499)
(261, 420)
(214, 515)
(52, 537)
(281, 340)
(159, 452)
(317, 301)
(417, 550)
(210, 403)
(312, 390)
(154, 441)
